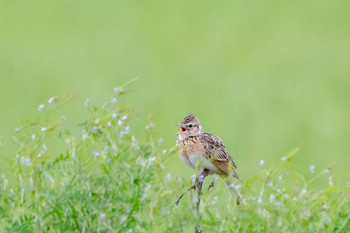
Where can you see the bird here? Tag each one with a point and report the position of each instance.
(206, 152)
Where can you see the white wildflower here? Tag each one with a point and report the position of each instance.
(260, 200)
(215, 199)
(270, 184)
(170, 224)
(143, 197)
(312, 168)
(287, 172)
(124, 117)
(27, 161)
(280, 179)
(95, 154)
(108, 160)
(119, 122)
(283, 158)
(33, 137)
(116, 89)
(114, 115)
(44, 147)
(40, 108)
(303, 191)
(262, 162)
(168, 176)
(160, 141)
(109, 123)
(43, 129)
(130, 230)
(114, 100)
(162, 166)
(87, 102)
(193, 177)
(152, 159)
(164, 151)
(126, 131)
(327, 171)
(272, 197)
(51, 99)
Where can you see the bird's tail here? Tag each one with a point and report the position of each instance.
(234, 192)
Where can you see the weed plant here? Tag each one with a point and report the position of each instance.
(106, 180)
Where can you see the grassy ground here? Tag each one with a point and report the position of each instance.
(104, 179)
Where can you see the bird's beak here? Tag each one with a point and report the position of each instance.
(182, 128)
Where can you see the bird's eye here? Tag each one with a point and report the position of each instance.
(190, 125)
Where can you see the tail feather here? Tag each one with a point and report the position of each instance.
(232, 189)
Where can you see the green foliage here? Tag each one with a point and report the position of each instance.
(106, 180)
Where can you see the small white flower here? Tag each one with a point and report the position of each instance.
(50, 179)
(147, 127)
(27, 161)
(40, 108)
(348, 184)
(51, 99)
(160, 141)
(108, 160)
(303, 191)
(126, 131)
(124, 118)
(295, 199)
(44, 147)
(168, 176)
(262, 162)
(193, 177)
(170, 224)
(260, 200)
(114, 115)
(164, 151)
(119, 122)
(3, 176)
(280, 179)
(162, 166)
(287, 172)
(238, 186)
(272, 197)
(270, 184)
(152, 159)
(33, 137)
(116, 89)
(114, 100)
(95, 154)
(283, 158)
(43, 129)
(130, 230)
(327, 171)
(143, 197)
(312, 168)
(215, 199)
(87, 101)
(39, 155)
(109, 124)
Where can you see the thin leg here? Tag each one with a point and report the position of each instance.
(211, 185)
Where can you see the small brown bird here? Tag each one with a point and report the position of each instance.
(204, 151)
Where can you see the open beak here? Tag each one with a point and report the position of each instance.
(182, 128)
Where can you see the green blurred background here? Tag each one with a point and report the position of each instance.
(266, 76)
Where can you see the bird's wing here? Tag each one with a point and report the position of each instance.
(215, 151)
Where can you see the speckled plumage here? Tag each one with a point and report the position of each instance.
(196, 146)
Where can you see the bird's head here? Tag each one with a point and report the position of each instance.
(189, 126)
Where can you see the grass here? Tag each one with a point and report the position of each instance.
(107, 180)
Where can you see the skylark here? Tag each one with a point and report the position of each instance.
(204, 151)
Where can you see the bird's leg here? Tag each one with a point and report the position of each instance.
(202, 176)
(211, 185)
